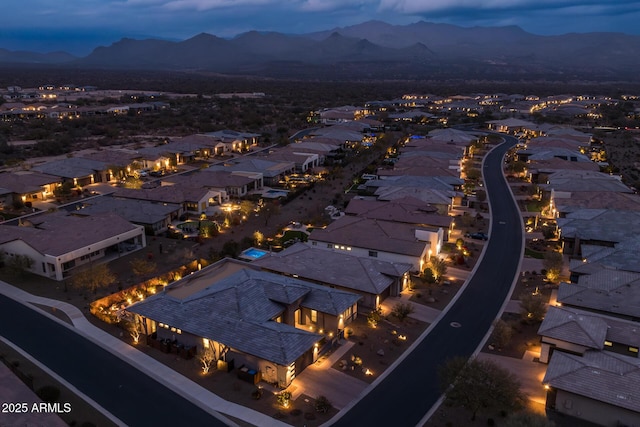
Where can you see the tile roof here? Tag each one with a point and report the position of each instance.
(597, 200)
(602, 376)
(137, 211)
(50, 233)
(166, 193)
(622, 301)
(407, 210)
(25, 181)
(372, 234)
(575, 327)
(71, 167)
(238, 309)
(607, 225)
(334, 268)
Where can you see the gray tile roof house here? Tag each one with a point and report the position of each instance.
(357, 274)
(581, 180)
(155, 215)
(601, 387)
(443, 183)
(603, 227)
(24, 182)
(240, 309)
(72, 167)
(407, 210)
(270, 170)
(608, 293)
(596, 200)
(576, 331)
(622, 257)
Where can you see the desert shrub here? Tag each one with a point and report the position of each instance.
(322, 404)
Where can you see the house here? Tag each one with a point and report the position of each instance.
(605, 291)
(539, 171)
(406, 210)
(77, 170)
(24, 186)
(236, 184)
(270, 323)
(598, 387)
(154, 217)
(304, 161)
(545, 153)
(442, 192)
(513, 126)
(272, 171)
(422, 166)
(194, 200)
(599, 227)
(372, 279)
(45, 239)
(235, 141)
(572, 201)
(576, 331)
(384, 240)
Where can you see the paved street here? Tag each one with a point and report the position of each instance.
(408, 391)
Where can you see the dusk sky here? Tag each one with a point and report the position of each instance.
(78, 26)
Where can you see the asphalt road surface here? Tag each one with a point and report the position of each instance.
(121, 389)
(407, 394)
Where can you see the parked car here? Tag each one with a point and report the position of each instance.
(478, 235)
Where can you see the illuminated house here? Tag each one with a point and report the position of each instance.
(58, 243)
(270, 323)
(384, 240)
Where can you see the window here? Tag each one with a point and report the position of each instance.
(608, 343)
(314, 243)
(373, 254)
(329, 245)
(205, 343)
(633, 349)
(314, 316)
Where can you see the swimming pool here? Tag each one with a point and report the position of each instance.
(253, 253)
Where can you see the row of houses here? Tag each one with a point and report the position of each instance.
(590, 336)
(278, 313)
(151, 209)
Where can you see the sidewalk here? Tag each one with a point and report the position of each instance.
(191, 391)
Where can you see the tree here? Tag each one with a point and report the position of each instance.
(480, 385)
(473, 174)
(533, 307)
(402, 311)
(269, 210)
(95, 277)
(142, 267)
(207, 356)
(502, 333)
(553, 263)
(438, 267)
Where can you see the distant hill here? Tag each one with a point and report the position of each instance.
(22, 57)
(377, 50)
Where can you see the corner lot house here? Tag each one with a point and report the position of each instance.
(58, 243)
(269, 323)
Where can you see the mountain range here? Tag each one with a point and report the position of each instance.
(372, 49)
